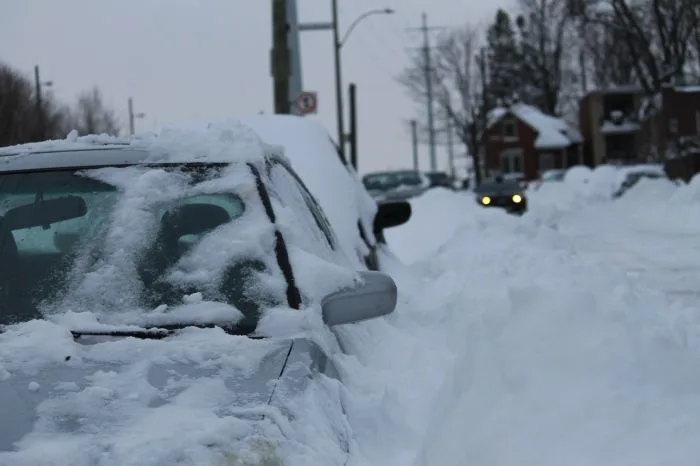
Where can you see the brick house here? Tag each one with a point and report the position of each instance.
(609, 123)
(670, 122)
(521, 141)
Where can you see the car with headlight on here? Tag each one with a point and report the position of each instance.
(172, 299)
(502, 193)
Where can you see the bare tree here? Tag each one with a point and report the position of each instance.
(458, 78)
(657, 36)
(546, 42)
(22, 119)
(91, 116)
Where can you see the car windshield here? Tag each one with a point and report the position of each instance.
(493, 186)
(109, 239)
(392, 180)
(553, 175)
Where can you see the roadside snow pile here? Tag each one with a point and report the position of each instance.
(657, 205)
(436, 216)
(558, 357)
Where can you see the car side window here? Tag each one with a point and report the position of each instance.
(312, 205)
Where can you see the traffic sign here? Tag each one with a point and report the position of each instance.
(306, 103)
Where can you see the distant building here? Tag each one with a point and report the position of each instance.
(670, 122)
(521, 141)
(610, 126)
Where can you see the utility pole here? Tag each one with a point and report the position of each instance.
(414, 141)
(133, 115)
(352, 98)
(428, 73)
(450, 148)
(338, 79)
(429, 88)
(280, 58)
(39, 113)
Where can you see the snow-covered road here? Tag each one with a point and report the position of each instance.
(568, 336)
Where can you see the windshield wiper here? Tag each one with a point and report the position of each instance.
(145, 334)
(157, 333)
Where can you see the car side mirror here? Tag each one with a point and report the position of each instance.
(375, 297)
(391, 214)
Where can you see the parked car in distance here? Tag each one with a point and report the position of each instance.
(502, 193)
(440, 180)
(550, 176)
(633, 176)
(125, 234)
(396, 185)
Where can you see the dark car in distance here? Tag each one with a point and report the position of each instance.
(440, 180)
(502, 193)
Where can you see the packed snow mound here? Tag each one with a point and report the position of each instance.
(689, 193)
(436, 216)
(221, 142)
(562, 358)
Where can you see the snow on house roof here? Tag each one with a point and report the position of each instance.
(552, 132)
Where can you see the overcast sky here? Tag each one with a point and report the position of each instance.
(191, 59)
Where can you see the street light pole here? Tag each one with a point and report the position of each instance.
(41, 126)
(338, 80)
(337, 46)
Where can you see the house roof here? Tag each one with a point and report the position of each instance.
(552, 132)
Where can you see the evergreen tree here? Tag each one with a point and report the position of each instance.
(504, 61)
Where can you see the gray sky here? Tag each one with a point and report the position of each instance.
(191, 59)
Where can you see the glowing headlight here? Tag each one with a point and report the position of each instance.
(486, 200)
(517, 198)
(259, 452)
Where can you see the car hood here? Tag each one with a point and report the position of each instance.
(72, 401)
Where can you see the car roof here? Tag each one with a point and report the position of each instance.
(175, 148)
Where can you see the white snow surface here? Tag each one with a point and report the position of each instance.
(568, 339)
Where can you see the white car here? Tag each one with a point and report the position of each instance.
(171, 300)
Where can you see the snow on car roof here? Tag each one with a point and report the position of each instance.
(224, 142)
(553, 132)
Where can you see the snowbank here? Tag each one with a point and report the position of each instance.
(436, 216)
(558, 357)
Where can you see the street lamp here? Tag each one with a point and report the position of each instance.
(381, 11)
(41, 130)
(337, 46)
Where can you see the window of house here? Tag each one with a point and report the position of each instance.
(546, 161)
(512, 161)
(673, 126)
(510, 129)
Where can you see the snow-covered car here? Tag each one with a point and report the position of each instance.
(171, 300)
(355, 215)
(396, 185)
(550, 176)
(630, 176)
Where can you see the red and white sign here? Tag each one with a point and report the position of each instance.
(306, 103)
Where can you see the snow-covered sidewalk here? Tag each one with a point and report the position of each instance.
(532, 341)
